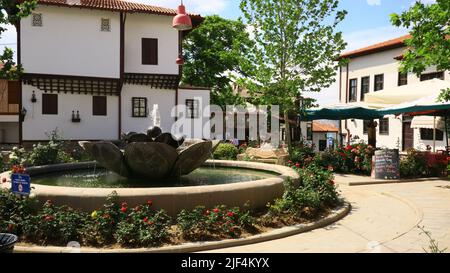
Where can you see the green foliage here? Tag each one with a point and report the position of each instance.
(9, 71)
(315, 192)
(216, 51)
(11, 12)
(54, 225)
(413, 165)
(203, 224)
(47, 154)
(14, 210)
(142, 226)
(296, 47)
(100, 227)
(226, 151)
(302, 153)
(429, 44)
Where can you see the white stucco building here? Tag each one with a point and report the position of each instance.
(376, 68)
(95, 69)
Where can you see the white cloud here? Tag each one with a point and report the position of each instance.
(374, 2)
(203, 7)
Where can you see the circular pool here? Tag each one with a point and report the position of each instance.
(233, 183)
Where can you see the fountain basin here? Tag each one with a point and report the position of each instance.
(173, 199)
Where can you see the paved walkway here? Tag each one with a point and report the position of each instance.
(384, 218)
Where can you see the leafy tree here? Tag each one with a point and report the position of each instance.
(217, 52)
(429, 44)
(11, 12)
(297, 46)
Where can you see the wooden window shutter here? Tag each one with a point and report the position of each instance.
(49, 104)
(149, 51)
(14, 92)
(99, 106)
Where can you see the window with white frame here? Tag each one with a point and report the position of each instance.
(36, 19)
(192, 110)
(105, 25)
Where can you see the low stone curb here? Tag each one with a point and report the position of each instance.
(381, 182)
(335, 216)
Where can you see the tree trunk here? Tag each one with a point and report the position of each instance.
(287, 127)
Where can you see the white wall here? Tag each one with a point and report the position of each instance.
(36, 126)
(203, 96)
(163, 97)
(9, 132)
(140, 26)
(70, 43)
(371, 65)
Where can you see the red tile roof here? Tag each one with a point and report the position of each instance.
(323, 127)
(114, 5)
(390, 44)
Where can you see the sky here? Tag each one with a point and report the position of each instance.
(367, 23)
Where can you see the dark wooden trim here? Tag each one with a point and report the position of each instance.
(19, 62)
(73, 84)
(9, 114)
(162, 81)
(123, 18)
(26, 76)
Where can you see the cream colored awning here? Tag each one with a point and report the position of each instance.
(406, 93)
(427, 122)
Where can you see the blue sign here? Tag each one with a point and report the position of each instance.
(20, 183)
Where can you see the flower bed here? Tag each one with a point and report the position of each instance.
(118, 225)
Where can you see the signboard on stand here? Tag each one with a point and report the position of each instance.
(386, 164)
(20, 184)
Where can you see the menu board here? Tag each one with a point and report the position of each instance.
(386, 164)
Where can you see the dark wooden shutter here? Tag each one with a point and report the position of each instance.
(13, 92)
(149, 51)
(99, 106)
(49, 104)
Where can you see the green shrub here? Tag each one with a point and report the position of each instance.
(226, 151)
(203, 224)
(413, 165)
(100, 227)
(47, 154)
(54, 225)
(315, 192)
(14, 210)
(301, 154)
(142, 226)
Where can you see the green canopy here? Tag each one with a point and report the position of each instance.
(340, 112)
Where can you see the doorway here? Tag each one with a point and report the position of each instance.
(407, 136)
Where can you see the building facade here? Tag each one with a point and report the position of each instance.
(376, 68)
(97, 69)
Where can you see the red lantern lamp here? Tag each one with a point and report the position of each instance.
(182, 21)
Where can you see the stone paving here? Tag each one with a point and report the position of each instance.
(384, 218)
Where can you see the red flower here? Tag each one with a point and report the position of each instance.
(297, 165)
(216, 210)
(145, 220)
(331, 182)
(149, 203)
(348, 148)
(123, 209)
(151, 223)
(231, 229)
(48, 218)
(290, 161)
(230, 214)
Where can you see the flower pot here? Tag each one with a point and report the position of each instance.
(7, 242)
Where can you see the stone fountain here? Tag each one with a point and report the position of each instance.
(151, 156)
